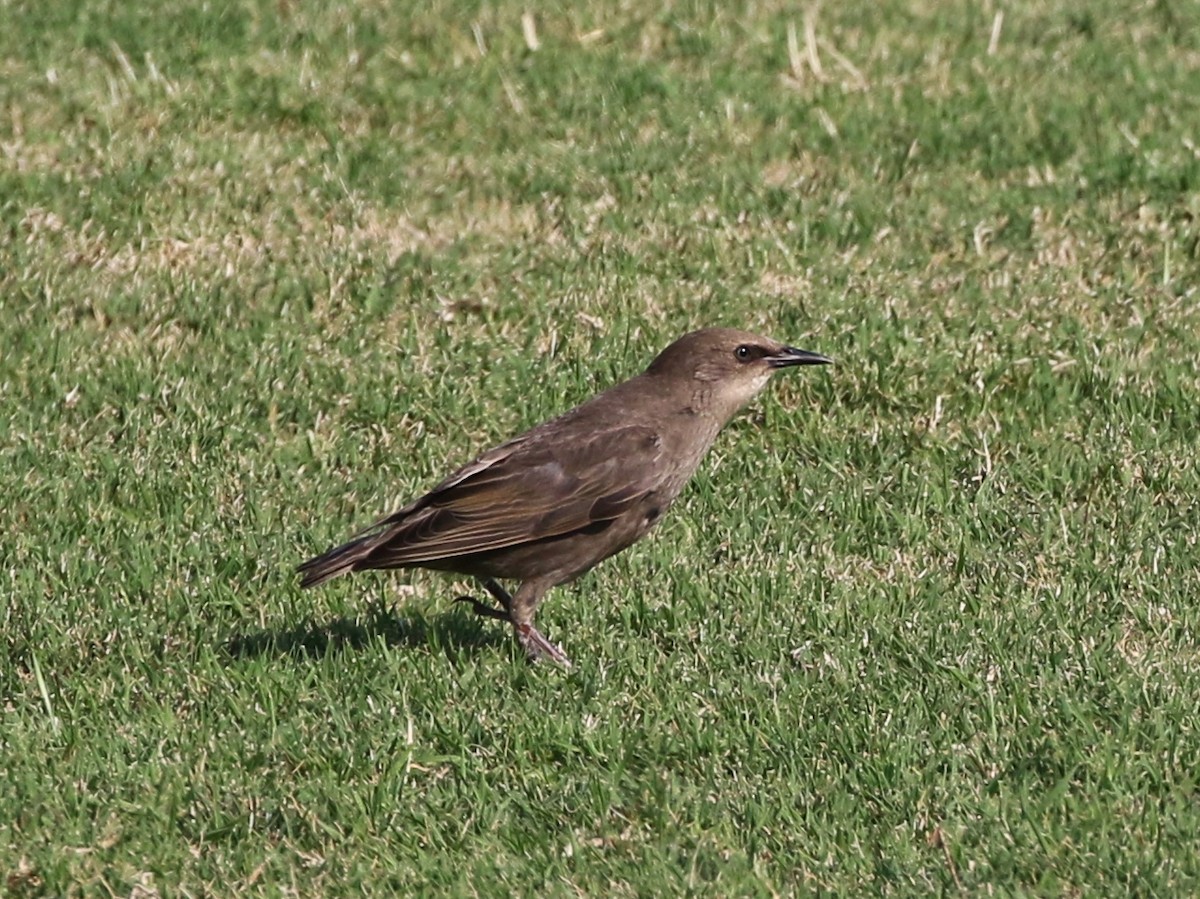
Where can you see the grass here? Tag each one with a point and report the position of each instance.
(925, 622)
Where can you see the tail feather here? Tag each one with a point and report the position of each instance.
(339, 560)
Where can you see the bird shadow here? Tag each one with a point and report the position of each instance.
(452, 632)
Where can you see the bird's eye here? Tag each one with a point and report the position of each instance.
(743, 353)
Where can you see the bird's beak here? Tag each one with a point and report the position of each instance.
(789, 355)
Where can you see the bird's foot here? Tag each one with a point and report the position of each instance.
(501, 596)
(483, 609)
(535, 645)
(538, 647)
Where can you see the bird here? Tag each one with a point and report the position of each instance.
(550, 504)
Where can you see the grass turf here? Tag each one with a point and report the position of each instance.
(926, 621)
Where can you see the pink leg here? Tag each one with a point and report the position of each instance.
(538, 647)
(521, 610)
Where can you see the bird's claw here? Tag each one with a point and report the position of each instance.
(535, 645)
(483, 610)
(538, 647)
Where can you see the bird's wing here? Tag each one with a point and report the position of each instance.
(525, 490)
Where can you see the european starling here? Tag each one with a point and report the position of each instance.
(547, 506)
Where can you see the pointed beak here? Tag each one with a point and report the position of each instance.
(789, 355)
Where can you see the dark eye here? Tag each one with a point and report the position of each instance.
(743, 353)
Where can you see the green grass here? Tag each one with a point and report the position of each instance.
(926, 622)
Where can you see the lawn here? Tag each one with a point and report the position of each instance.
(927, 621)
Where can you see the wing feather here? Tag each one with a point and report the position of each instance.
(523, 491)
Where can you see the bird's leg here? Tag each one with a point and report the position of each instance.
(483, 609)
(521, 611)
(502, 596)
(538, 647)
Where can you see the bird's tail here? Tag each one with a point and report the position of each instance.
(339, 560)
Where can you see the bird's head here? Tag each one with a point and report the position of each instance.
(726, 368)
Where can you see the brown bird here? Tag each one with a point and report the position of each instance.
(548, 505)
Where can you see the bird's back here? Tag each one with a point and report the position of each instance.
(550, 503)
